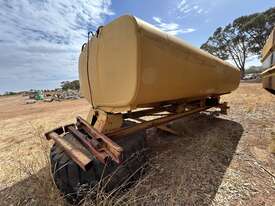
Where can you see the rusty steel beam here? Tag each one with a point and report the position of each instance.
(109, 146)
(152, 123)
(88, 144)
(148, 112)
(102, 145)
(181, 101)
(169, 130)
(170, 106)
(224, 107)
(58, 130)
(83, 160)
(162, 127)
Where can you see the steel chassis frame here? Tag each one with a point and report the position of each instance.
(102, 145)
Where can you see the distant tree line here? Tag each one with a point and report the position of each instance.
(73, 85)
(65, 85)
(243, 37)
(9, 93)
(254, 69)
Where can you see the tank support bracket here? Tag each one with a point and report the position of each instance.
(102, 145)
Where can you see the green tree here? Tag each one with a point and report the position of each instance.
(229, 43)
(10, 93)
(74, 85)
(257, 27)
(245, 36)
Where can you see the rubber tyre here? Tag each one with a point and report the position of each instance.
(73, 182)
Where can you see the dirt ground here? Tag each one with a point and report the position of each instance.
(220, 160)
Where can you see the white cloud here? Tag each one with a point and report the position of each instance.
(40, 40)
(181, 4)
(184, 7)
(171, 28)
(157, 19)
(187, 8)
(189, 30)
(200, 11)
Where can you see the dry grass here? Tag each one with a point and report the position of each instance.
(38, 188)
(216, 161)
(35, 186)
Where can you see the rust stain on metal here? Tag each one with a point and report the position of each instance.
(152, 123)
(102, 145)
(71, 150)
(108, 145)
(87, 143)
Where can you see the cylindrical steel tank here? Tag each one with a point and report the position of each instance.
(132, 63)
(268, 60)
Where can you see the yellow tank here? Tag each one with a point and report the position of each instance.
(269, 45)
(268, 79)
(268, 60)
(132, 63)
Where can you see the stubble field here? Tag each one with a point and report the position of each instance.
(215, 161)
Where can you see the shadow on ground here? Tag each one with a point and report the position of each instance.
(188, 170)
(37, 189)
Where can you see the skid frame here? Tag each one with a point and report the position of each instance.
(101, 130)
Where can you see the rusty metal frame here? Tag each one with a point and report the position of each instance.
(150, 111)
(118, 133)
(103, 146)
(72, 150)
(107, 146)
(91, 144)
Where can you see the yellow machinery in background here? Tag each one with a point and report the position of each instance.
(268, 62)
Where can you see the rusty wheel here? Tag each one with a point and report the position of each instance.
(74, 183)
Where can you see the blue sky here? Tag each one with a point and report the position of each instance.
(40, 39)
